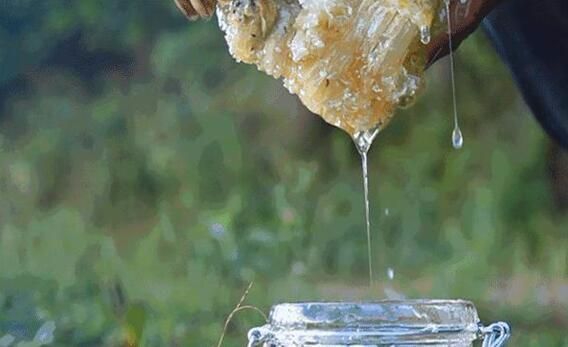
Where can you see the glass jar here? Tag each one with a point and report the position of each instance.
(448, 323)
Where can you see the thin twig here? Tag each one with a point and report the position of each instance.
(238, 308)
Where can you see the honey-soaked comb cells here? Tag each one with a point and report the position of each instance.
(353, 62)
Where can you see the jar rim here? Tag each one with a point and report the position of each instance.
(377, 323)
(414, 312)
(386, 322)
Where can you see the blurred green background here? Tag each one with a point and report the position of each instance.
(146, 179)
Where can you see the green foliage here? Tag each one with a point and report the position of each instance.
(137, 213)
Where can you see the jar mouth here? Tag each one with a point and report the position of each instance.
(435, 322)
(402, 312)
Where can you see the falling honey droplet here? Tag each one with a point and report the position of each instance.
(425, 34)
(390, 273)
(457, 138)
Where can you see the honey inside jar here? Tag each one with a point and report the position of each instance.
(353, 62)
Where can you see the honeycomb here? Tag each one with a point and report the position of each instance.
(353, 62)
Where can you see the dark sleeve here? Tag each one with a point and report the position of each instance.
(532, 38)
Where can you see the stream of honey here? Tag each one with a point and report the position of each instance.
(353, 62)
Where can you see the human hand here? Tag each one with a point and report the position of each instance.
(196, 9)
(465, 18)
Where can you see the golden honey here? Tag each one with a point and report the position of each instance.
(353, 62)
